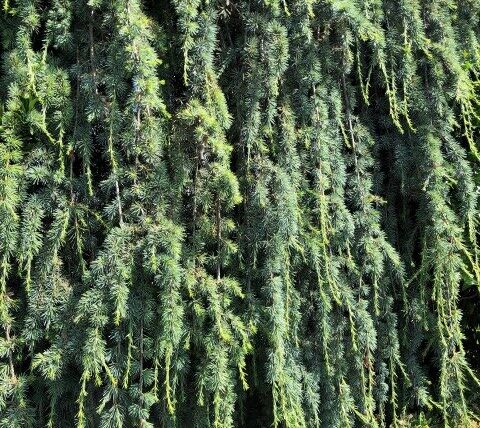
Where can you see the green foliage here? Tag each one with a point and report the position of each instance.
(219, 214)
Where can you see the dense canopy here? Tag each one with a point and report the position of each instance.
(239, 213)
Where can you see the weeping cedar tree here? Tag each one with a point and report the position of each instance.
(222, 213)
